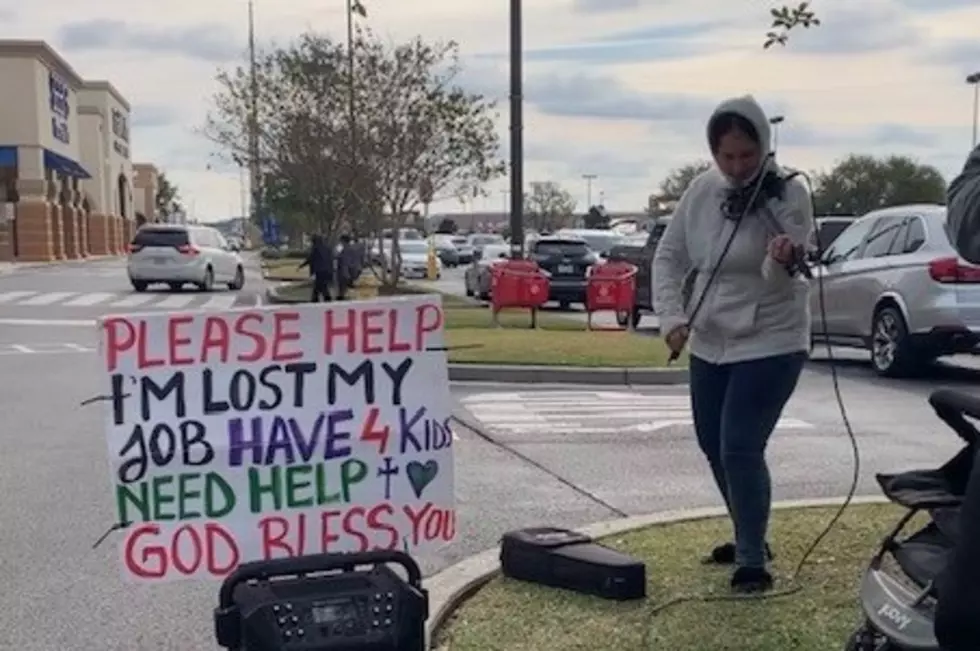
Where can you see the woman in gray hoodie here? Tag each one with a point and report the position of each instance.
(749, 326)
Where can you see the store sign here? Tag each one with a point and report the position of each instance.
(120, 131)
(58, 92)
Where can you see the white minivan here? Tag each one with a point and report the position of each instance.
(175, 255)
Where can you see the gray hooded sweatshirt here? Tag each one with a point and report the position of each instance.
(754, 308)
(963, 209)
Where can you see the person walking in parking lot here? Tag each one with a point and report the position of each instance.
(320, 261)
(750, 326)
(347, 266)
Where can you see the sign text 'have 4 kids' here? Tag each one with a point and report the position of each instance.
(265, 433)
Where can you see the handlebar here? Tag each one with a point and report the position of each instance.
(258, 570)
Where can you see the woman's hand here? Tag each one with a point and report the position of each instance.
(781, 249)
(676, 339)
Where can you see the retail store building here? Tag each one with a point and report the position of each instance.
(66, 176)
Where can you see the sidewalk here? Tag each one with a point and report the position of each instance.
(13, 267)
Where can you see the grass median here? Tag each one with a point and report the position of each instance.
(559, 340)
(515, 616)
(285, 269)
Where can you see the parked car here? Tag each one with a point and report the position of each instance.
(640, 254)
(415, 259)
(477, 277)
(567, 261)
(176, 255)
(829, 227)
(599, 241)
(480, 240)
(463, 249)
(893, 283)
(446, 250)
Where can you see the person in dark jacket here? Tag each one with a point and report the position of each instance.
(320, 261)
(958, 608)
(348, 266)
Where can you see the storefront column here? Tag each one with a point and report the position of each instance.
(7, 212)
(33, 228)
(69, 222)
(98, 234)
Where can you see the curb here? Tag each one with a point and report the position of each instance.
(567, 375)
(451, 587)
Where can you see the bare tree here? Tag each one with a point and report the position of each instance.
(422, 134)
(548, 206)
(303, 132)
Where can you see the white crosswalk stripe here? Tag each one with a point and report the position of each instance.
(13, 297)
(123, 301)
(586, 412)
(87, 300)
(49, 298)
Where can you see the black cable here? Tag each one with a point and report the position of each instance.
(794, 585)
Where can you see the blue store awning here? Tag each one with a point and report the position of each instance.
(65, 165)
(8, 157)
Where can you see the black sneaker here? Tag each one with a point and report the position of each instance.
(751, 580)
(725, 555)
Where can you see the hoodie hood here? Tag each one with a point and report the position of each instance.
(748, 108)
(963, 209)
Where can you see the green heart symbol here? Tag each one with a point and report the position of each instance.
(421, 475)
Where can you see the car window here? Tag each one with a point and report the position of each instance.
(830, 230)
(161, 237)
(915, 236)
(560, 247)
(883, 236)
(848, 244)
(459, 240)
(601, 243)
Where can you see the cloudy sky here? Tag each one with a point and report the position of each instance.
(616, 88)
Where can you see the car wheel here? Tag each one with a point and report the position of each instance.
(891, 351)
(139, 285)
(239, 280)
(469, 292)
(208, 283)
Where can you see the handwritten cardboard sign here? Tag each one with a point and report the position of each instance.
(262, 433)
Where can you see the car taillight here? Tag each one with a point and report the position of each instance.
(951, 270)
(187, 249)
(134, 248)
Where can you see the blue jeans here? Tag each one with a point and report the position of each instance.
(736, 407)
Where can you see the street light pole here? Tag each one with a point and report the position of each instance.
(516, 133)
(775, 121)
(253, 121)
(588, 188)
(974, 79)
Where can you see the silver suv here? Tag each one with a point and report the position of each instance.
(892, 283)
(176, 255)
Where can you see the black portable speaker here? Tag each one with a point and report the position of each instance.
(566, 559)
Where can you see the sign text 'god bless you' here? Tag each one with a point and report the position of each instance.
(264, 433)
